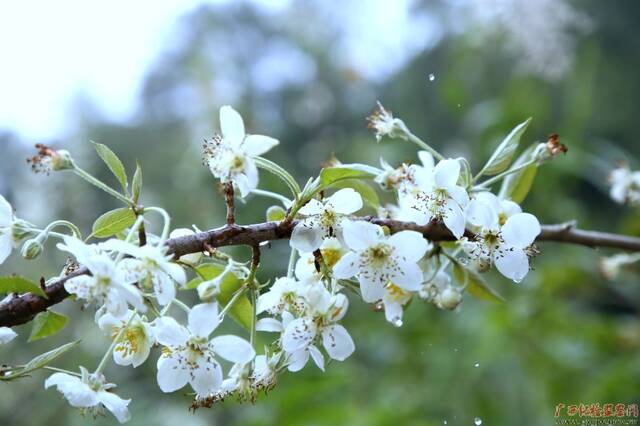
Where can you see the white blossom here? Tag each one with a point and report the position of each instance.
(134, 345)
(305, 269)
(506, 245)
(189, 356)
(231, 158)
(323, 219)
(90, 392)
(377, 259)
(286, 294)
(625, 185)
(151, 267)
(106, 287)
(7, 335)
(319, 322)
(7, 222)
(435, 194)
(393, 300)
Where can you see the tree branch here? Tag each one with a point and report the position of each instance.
(23, 308)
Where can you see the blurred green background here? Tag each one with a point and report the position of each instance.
(308, 73)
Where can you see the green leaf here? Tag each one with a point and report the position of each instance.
(46, 324)
(112, 222)
(516, 186)
(113, 162)
(465, 173)
(275, 213)
(18, 284)
(369, 195)
(39, 361)
(478, 288)
(503, 154)
(330, 175)
(242, 310)
(459, 273)
(136, 184)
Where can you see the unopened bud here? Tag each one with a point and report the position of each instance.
(449, 298)
(20, 229)
(31, 249)
(275, 213)
(553, 147)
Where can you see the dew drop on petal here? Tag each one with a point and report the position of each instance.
(432, 77)
(477, 421)
(397, 322)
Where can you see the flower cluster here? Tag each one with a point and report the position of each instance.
(132, 278)
(625, 185)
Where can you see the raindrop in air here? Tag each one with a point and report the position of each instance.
(477, 364)
(444, 422)
(432, 77)
(455, 349)
(477, 421)
(397, 322)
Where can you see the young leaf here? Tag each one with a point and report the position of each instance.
(17, 284)
(477, 287)
(459, 273)
(501, 158)
(113, 162)
(242, 310)
(136, 184)
(330, 175)
(46, 324)
(465, 172)
(39, 362)
(112, 222)
(516, 186)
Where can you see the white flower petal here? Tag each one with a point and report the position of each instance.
(233, 348)
(347, 266)
(163, 287)
(427, 159)
(360, 235)
(298, 334)
(6, 212)
(5, 246)
(203, 319)
(512, 262)
(171, 374)
(257, 144)
(169, 333)
(521, 230)
(313, 207)
(408, 276)
(345, 201)
(231, 125)
(453, 218)
(337, 342)
(479, 213)
(305, 238)
(446, 173)
(392, 310)
(297, 360)
(317, 357)
(7, 335)
(371, 291)
(269, 325)
(409, 245)
(78, 393)
(116, 405)
(459, 195)
(176, 272)
(206, 378)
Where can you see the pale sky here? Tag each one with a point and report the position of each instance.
(51, 50)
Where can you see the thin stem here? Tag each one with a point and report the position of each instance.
(230, 202)
(61, 370)
(167, 222)
(254, 291)
(103, 362)
(284, 200)
(292, 263)
(74, 229)
(181, 305)
(274, 168)
(98, 183)
(422, 144)
(236, 295)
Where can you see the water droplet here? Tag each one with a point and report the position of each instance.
(444, 422)
(432, 77)
(397, 322)
(477, 421)
(455, 349)
(459, 105)
(517, 280)
(477, 364)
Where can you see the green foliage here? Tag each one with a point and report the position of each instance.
(474, 284)
(46, 324)
(18, 284)
(516, 186)
(38, 362)
(113, 222)
(501, 157)
(136, 184)
(113, 162)
(331, 175)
